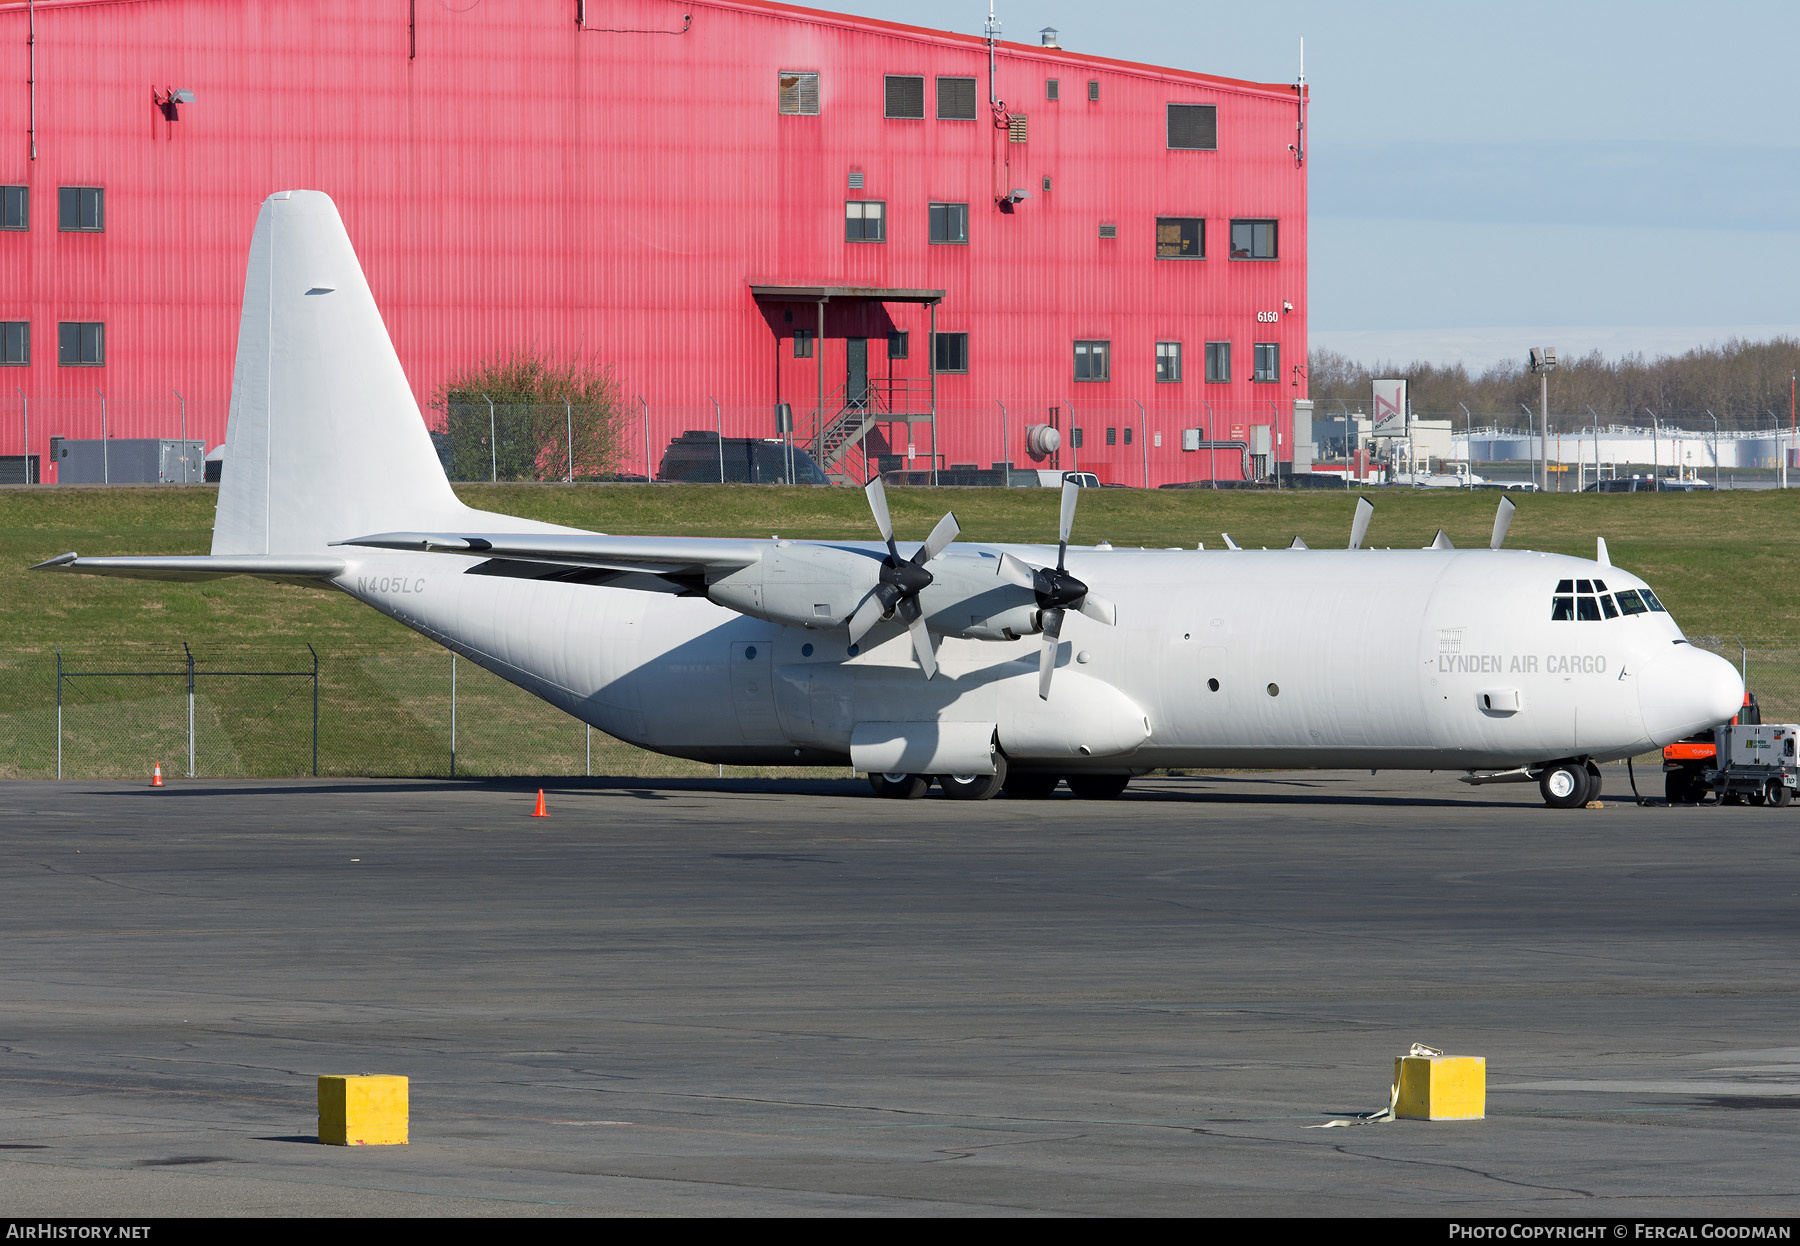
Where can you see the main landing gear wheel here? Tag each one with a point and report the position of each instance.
(1779, 794)
(1097, 786)
(1594, 782)
(975, 786)
(1030, 784)
(1564, 784)
(900, 786)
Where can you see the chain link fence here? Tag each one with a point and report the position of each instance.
(290, 711)
(379, 711)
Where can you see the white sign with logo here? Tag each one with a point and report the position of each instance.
(1390, 409)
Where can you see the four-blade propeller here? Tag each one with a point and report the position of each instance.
(1057, 591)
(902, 580)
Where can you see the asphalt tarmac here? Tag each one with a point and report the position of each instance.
(788, 998)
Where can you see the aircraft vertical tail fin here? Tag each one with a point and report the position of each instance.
(325, 441)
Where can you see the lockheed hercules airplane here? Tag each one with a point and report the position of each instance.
(986, 668)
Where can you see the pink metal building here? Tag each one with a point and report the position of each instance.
(728, 200)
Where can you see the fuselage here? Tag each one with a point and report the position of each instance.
(1424, 659)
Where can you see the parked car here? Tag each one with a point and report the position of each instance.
(1649, 484)
(696, 456)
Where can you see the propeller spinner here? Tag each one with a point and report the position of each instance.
(902, 580)
(1057, 591)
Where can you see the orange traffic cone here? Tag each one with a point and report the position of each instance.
(156, 776)
(539, 812)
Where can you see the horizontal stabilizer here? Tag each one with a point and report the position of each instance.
(285, 566)
(658, 555)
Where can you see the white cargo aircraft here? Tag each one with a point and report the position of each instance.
(984, 667)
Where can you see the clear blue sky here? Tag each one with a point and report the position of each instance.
(1616, 176)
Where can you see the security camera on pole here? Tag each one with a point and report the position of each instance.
(1543, 362)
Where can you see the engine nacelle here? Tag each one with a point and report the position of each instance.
(800, 585)
(820, 586)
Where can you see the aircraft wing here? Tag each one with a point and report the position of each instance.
(201, 567)
(673, 556)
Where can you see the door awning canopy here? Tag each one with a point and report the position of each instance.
(825, 293)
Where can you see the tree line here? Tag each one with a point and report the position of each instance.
(1742, 383)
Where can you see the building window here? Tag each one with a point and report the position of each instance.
(1128, 434)
(956, 99)
(899, 344)
(1218, 361)
(1052, 88)
(1094, 90)
(799, 92)
(1253, 240)
(1193, 127)
(81, 344)
(1112, 436)
(1268, 361)
(950, 352)
(15, 207)
(1093, 361)
(1075, 436)
(1180, 238)
(15, 343)
(950, 222)
(1168, 361)
(865, 220)
(803, 342)
(905, 95)
(1108, 230)
(81, 209)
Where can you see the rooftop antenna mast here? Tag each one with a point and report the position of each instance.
(992, 31)
(1298, 146)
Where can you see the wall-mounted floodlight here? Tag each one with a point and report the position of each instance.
(1017, 194)
(170, 100)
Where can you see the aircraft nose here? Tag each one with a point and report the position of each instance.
(1687, 690)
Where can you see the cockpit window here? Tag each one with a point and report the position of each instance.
(1588, 600)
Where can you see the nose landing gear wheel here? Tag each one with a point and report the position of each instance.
(1564, 785)
(900, 786)
(975, 786)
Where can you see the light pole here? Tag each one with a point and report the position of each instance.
(1655, 438)
(1531, 423)
(1340, 402)
(1715, 420)
(1596, 416)
(1543, 362)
